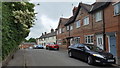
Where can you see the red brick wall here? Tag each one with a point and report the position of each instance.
(113, 25)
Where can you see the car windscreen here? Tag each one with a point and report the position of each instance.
(39, 45)
(52, 43)
(93, 48)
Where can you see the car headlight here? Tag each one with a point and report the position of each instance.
(97, 55)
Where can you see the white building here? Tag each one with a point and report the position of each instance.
(47, 38)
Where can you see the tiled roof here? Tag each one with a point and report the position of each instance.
(48, 35)
(88, 8)
(72, 18)
(99, 5)
(62, 21)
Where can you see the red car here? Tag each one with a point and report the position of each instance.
(52, 46)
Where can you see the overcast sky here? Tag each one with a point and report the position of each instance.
(49, 14)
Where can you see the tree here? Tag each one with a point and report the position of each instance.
(17, 19)
(31, 40)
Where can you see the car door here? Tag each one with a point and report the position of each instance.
(81, 53)
(74, 49)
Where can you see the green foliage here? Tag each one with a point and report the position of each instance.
(0, 30)
(17, 19)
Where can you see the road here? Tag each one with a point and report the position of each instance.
(42, 57)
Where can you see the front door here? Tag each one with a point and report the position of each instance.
(112, 44)
(100, 41)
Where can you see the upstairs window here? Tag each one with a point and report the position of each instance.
(77, 24)
(71, 27)
(98, 16)
(117, 9)
(63, 30)
(57, 32)
(86, 21)
(60, 30)
(67, 28)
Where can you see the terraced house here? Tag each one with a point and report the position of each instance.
(97, 24)
(46, 38)
(61, 33)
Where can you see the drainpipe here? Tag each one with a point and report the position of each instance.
(104, 35)
(69, 37)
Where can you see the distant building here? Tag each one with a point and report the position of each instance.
(25, 45)
(47, 38)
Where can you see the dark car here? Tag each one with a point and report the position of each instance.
(91, 54)
(52, 46)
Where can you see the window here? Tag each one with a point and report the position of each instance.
(71, 27)
(63, 30)
(57, 32)
(89, 39)
(117, 9)
(77, 24)
(67, 27)
(76, 40)
(98, 16)
(60, 30)
(86, 21)
(99, 41)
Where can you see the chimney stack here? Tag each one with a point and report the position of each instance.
(45, 33)
(74, 10)
(42, 34)
(52, 30)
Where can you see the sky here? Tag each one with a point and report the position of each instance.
(49, 13)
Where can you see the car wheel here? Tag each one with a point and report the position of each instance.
(70, 54)
(90, 60)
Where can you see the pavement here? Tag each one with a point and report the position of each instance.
(18, 59)
(42, 57)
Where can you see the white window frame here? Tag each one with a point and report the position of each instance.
(78, 23)
(67, 27)
(60, 30)
(71, 27)
(98, 16)
(117, 8)
(86, 20)
(63, 30)
(88, 39)
(99, 40)
(57, 32)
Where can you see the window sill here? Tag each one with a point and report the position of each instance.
(86, 25)
(89, 43)
(77, 27)
(98, 21)
(116, 15)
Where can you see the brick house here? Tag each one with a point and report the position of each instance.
(112, 28)
(61, 33)
(97, 24)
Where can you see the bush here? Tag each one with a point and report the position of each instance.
(17, 19)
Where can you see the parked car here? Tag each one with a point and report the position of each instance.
(52, 46)
(30, 47)
(39, 47)
(91, 54)
(34, 47)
